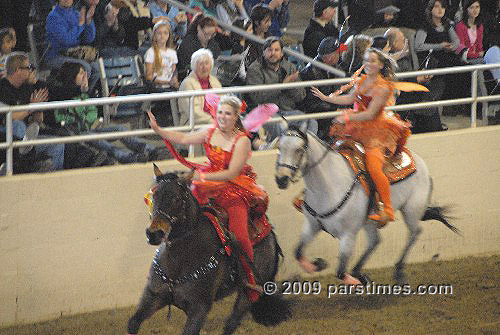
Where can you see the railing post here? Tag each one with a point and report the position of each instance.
(191, 123)
(473, 109)
(9, 157)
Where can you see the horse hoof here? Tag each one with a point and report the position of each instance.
(307, 265)
(350, 280)
(320, 264)
(363, 278)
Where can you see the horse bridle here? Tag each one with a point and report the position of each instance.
(173, 219)
(296, 132)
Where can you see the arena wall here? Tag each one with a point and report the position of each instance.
(73, 241)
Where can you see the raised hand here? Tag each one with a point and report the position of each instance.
(152, 122)
(39, 95)
(90, 14)
(317, 93)
(83, 12)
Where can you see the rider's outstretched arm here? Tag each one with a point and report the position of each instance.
(177, 136)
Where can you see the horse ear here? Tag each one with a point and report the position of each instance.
(157, 171)
(187, 177)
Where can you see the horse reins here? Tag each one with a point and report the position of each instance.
(339, 206)
(295, 132)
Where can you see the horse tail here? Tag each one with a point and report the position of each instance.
(439, 213)
(271, 310)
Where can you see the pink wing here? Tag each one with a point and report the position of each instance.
(212, 100)
(258, 116)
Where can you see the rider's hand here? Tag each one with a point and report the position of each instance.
(317, 93)
(152, 122)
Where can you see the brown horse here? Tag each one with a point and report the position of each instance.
(191, 268)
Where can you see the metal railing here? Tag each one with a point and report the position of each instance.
(10, 144)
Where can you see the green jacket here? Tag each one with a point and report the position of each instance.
(79, 119)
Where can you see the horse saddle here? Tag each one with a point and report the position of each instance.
(396, 167)
(258, 225)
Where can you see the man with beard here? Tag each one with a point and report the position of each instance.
(271, 68)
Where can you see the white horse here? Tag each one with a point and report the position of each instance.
(335, 202)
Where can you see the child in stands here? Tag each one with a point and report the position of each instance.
(160, 66)
(161, 59)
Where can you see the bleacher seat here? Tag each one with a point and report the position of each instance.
(121, 76)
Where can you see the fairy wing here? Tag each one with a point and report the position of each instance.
(409, 87)
(258, 116)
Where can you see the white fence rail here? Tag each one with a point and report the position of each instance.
(10, 144)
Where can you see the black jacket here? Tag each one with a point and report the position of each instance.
(313, 35)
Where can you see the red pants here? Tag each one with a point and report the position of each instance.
(237, 211)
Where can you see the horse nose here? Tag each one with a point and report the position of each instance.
(154, 237)
(282, 181)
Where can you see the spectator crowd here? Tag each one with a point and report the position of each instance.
(179, 50)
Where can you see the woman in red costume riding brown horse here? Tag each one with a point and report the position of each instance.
(227, 179)
(382, 134)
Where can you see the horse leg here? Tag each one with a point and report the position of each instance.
(148, 305)
(240, 307)
(346, 249)
(414, 229)
(196, 316)
(373, 241)
(310, 230)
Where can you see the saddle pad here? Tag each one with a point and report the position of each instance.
(396, 168)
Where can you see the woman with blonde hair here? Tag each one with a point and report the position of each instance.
(228, 178)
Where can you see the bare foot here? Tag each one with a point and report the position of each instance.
(307, 265)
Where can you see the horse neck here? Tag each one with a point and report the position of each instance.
(330, 172)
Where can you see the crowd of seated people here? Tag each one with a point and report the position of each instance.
(179, 49)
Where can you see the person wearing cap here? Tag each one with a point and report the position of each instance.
(328, 52)
(272, 68)
(320, 26)
(386, 17)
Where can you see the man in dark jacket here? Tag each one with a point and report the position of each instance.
(272, 68)
(320, 26)
(328, 52)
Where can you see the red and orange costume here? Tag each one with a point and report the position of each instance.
(237, 196)
(382, 137)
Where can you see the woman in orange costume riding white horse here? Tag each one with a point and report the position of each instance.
(382, 134)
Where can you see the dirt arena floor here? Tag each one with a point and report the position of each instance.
(472, 308)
